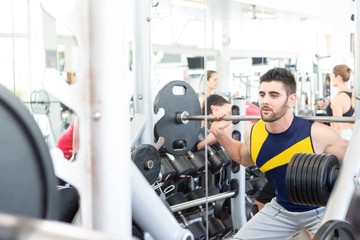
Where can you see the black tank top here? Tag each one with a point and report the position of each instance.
(349, 113)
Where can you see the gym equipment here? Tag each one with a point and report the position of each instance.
(182, 166)
(177, 97)
(335, 229)
(196, 228)
(216, 227)
(311, 177)
(69, 198)
(254, 209)
(253, 171)
(225, 216)
(167, 172)
(16, 227)
(28, 182)
(222, 208)
(213, 190)
(218, 159)
(181, 105)
(181, 206)
(39, 102)
(197, 159)
(147, 159)
(185, 117)
(238, 176)
(257, 184)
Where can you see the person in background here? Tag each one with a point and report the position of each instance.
(68, 141)
(216, 105)
(212, 82)
(341, 104)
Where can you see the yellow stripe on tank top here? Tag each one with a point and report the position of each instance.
(258, 136)
(284, 157)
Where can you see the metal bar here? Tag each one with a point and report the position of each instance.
(143, 71)
(150, 213)
(357, 60)
(137, 127)
(197, 202)
(238, 205)
(342, 193)
(109, 129)
(17, 227)
(254, 118)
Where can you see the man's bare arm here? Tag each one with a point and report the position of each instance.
(238, 151)
(327, 140)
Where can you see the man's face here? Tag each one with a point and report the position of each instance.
(221, 110)
(273, 101)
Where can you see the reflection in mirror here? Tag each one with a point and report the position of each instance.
(61, 53)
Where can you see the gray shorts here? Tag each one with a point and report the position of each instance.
(274, 222)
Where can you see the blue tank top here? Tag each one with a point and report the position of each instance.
(272, 153)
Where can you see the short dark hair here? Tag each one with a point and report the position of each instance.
(214, 100)
(282, 75)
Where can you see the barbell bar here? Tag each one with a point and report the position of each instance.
(183, 118)
(197, 202)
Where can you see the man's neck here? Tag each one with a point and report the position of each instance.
(282, 124)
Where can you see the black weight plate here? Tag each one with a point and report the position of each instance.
(216, 227)
(291, 177)
(198, 230)
(304, 182)
(148, 161)
(309, 184)
(201, 136)
(336, 229)
(197, 159)
(195, 194)
(314, 179)
(213, 190)
(298, 183)
(167, 171)
(27, 178)
(222, 208)
(176, 198)
(177, 97)
(324, 190)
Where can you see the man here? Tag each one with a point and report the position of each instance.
(270, 143)
(217, 105)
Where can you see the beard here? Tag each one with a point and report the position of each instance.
(272, 116)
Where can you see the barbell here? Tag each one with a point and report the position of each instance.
(181, 123)
(256, 118)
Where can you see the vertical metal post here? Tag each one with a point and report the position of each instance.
(109, 122)
(348, 179)
(143, 67)
(357, 60)
(238, 172)
(339, 201)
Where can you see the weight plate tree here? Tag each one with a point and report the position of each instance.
(177, 98)
(28, 182)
